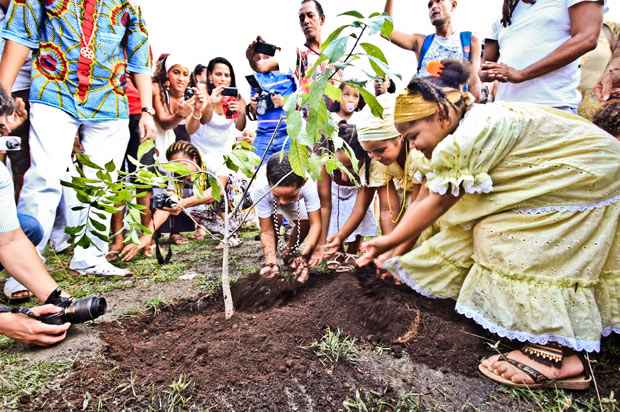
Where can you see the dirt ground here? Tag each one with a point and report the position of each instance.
(412, 353)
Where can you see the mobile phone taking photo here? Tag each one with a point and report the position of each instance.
(230, 91)
(266, 48)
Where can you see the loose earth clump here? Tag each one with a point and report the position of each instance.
(260, 360)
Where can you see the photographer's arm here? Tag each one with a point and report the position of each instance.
(168, 120)
(31, 331)
(20, 259)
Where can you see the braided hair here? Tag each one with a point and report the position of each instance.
(454, 75)
(161, 78)
(508, 8)
(608, 118)
(186, 149)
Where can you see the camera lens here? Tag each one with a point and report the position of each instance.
(86, 309)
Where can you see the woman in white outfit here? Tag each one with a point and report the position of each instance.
(223, 120)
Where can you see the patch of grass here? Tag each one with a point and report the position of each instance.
(20, 378)
(209, 284)
(556, 400)
(372, 401)
(335, 347)
(153, 305)
(175, 398)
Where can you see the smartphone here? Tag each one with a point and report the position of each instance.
(230, 91)
(266, 48)
(189, 93)
(10, 143)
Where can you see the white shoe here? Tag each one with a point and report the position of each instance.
(104, 268)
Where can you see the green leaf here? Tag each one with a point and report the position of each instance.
(290, 102)
(294, 123)
(371, 101)
(332, 36)
(337, 49)
(84, 242)
(78, 208)
(374, 51)
(97, 225)
(214, 184)
(388, 28)
(110, 166)
(178, 168)
(352, 13)
(100, 235)
(85, 160)
(333, 92)
(298, 157)
(145, 147)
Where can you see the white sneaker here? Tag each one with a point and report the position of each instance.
(104, 268)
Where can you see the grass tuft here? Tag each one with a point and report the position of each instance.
(335, 347)
(373, 401)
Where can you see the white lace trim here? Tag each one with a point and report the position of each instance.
(568, 208)
(608, 331)
(394, 267)
(575, 344)
(471, 184)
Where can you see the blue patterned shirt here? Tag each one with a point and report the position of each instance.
(87, 86)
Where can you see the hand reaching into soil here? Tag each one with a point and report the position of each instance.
(332, 246)
(270, 271)
(301, 269)
(371, 250)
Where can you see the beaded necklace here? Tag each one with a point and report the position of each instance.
(278, 227)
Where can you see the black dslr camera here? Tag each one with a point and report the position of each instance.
(263, 97)
(163, 201)
(79, 311)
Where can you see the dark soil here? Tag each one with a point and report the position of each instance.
(259, 361)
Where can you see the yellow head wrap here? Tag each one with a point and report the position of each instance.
(412, 106)
(371, 128)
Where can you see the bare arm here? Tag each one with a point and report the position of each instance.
(167, 120)
(609, 84)
(325, 196)
(13, 58)
(268, 240)
(20, 259)
(406, 41)
(586, 20)
(474, 81)
(389, 207)
(414, 222)
(314, 234)
(491, 55)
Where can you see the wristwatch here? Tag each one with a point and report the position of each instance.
(148, 110)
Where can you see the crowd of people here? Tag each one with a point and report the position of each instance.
(492, 179)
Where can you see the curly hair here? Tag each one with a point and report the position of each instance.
(608, 118)
(454, 75)
(279, 170)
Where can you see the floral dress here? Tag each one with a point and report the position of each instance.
(532, 250)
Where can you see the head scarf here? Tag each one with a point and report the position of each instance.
(412, 106)
(171, 61)
(371, 128)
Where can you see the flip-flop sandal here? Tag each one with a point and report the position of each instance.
(12, 288)
(342, 263)
(577, 383)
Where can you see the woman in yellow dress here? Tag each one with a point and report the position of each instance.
(528, 201)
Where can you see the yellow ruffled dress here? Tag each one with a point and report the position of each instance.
(532, 250)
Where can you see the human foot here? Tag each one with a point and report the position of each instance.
(518, 369)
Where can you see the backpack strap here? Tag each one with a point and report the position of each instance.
(466, 44)
(428, 40)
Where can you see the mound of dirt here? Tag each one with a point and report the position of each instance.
(259, 360)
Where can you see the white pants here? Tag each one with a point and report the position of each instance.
(52, 133)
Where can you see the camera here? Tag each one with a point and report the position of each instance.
(79, 311)
(230, 91)
(10, 143)
(266, 48)
(189, 93)
(263, 98)
(162, 201)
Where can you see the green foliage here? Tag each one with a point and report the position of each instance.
(308, 123)
(335, 347)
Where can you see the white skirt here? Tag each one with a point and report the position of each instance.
(343, 202)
